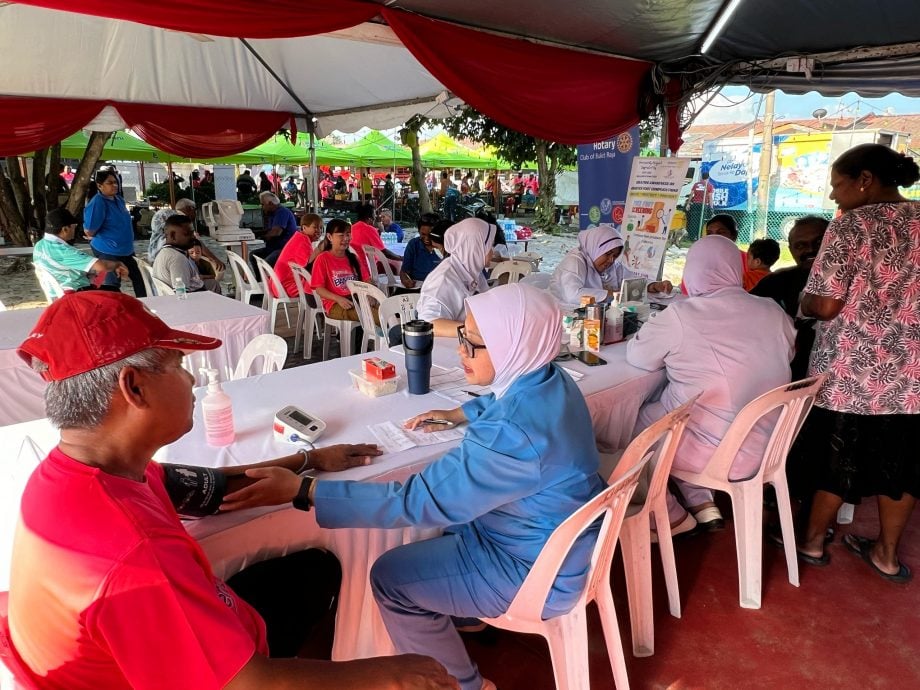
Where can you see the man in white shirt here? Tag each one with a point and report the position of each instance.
(173, 261)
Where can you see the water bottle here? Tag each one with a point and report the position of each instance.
(418, 341)
(179, 287)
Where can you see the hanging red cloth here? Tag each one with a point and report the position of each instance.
(29, 124)
(201, 132)
(553, 93)
(235, 18)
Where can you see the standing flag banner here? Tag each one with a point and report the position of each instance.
(654, 190)
(603, 178)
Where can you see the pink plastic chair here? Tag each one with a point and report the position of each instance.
(9, 659)
(657, 444)
(793, 402)
(567, 635)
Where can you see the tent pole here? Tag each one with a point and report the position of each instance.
(143, 181)
(314, 176)
(172, 184)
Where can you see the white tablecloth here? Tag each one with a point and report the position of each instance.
(233, 541)
(207, 313)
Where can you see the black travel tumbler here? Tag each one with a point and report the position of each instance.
(418, 341)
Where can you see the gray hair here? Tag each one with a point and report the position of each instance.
(185, 203)
(271, 197)
(83, 401)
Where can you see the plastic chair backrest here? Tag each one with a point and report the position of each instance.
(268, 275)
(2, 306)
(273, 350)
(242, 273)
(611, 503)
(9, 659)
(374, 258)
(793, 401)
(362, 293)
(515, 270)
(49, 284)
(161, 288)
(147, 276)
(398, 309)
(302, 280)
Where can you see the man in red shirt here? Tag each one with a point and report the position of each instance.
(107, 589)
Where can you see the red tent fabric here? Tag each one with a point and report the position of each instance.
(29, 124)
(235, 18)
(592, 97)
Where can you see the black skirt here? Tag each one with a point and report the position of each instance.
(856, 456)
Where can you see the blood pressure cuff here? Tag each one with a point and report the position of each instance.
(195, 491)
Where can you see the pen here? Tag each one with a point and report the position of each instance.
(437, 421)
(475, 395)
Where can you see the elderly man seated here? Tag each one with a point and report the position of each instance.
(107, 588)
(281, 225)
(158, 231)
(173, 261)
(66, 264)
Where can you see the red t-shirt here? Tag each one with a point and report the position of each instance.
(298, 249)
(333, 273)
(108, 590)
(363, 234)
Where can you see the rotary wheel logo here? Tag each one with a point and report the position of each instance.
(594, 214)
(617, 214)
(624, 142)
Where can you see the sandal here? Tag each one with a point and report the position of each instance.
(862, 547)
(817, 561)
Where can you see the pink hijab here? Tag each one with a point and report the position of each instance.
(521, 326)
(593, 243)
(713, 263)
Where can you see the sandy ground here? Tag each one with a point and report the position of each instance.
(19, 288)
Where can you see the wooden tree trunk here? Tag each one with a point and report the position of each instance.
(39, 159)
(54, 177)
(20, 192)
(14, 225)
(545, 211)
(410, 138)
(83, 178)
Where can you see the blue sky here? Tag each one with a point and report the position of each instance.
(738, 104)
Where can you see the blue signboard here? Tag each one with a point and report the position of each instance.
(603, 178)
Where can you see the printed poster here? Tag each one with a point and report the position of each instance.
(603, 177)
(654, 191)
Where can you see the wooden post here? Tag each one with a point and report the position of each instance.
(172, 184)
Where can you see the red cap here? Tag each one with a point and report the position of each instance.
(83, 331)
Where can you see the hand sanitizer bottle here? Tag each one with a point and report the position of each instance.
(217, 411)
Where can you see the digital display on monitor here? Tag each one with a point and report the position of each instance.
(299, 417)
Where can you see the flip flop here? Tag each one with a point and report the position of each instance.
(862, 547)
(817, 561)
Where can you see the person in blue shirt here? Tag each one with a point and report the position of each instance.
(107, 222)
(498, 495)
(281, 224)
(386, 224)
(420, 257)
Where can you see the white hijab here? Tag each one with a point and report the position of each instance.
(460, 274)
(594, 243)
(521, 326)
(713, 263)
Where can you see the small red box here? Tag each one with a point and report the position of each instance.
(376, 368)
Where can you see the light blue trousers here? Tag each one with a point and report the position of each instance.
(419, 587)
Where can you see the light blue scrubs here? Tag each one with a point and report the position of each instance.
(527, 462)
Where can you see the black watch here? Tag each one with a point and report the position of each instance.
(302, 499)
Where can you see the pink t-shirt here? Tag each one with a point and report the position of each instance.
(333, 273)
(108, 590)
(363, 234)
(298, 249)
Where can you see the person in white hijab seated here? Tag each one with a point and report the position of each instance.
(592, 268)
(442, 300)
(724, 344)
(498, 495)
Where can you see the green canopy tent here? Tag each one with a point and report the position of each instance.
(378, 151)
(120, 146)
(442, 151)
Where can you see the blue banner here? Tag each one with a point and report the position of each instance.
(603, 178)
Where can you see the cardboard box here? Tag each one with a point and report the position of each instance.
(376, 368)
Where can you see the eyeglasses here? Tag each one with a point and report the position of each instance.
(469, 347)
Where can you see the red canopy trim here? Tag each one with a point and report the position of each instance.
(548, 92)
(29, 124)
(233, 18)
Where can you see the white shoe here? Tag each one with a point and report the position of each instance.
(688, 524)
(710, 519)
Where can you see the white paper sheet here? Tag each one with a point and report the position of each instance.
(451, 384)
(393, 438)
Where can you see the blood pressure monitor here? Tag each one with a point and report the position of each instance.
(293, 425)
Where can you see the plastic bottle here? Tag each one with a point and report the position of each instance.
(217, 411)
(180, 288)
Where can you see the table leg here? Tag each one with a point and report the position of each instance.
(244, 250)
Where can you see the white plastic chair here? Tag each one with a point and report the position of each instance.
(270, 302)
(161, 288)
(147, 276)
(271, 348)
(2, 306)
(308, 307)
(362, 294)
(514, 269)
(343, 326)
(49, 284)
(531, 257)
(656, 444)
(247, 286)
(792, 402)
(567, 635)
(397, 310)
(387, 282)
